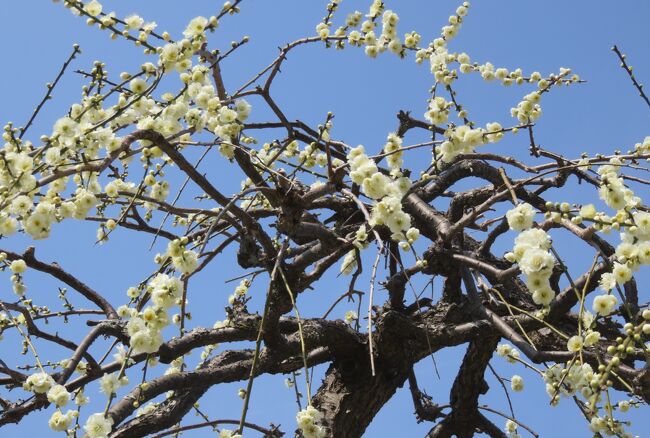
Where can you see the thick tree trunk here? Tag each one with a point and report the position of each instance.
(351, 399)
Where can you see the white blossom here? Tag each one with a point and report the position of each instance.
(521, 217)
(39, 383)
(60, 422)
(98, 426)
(58, 395)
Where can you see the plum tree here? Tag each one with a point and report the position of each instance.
(311, 206)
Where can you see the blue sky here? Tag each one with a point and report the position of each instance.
(365, 94)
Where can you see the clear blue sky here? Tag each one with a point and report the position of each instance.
(599, 116)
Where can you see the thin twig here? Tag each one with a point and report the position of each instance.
(50, 87)
(628, 70)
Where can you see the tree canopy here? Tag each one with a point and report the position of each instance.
(408, 234)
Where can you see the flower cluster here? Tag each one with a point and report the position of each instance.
(393, 151)
(510, 353)
(43, 383)
(144, 331)
(517, 383)
(176, 56)
(17, 267)
(388, 38)
(609, 427)
(463, 139)
(98, 425)
(224, 121)
(165, 291)
(110, 383)
(38, 383)
(60, 422)
(240, 291)
(612, 187)
(144, 328)
(634, 249)
(643, 147)
(198, 25)
(438, 110)
(351, 316)
(184, 260)
(604, 304)
(588, 337)
(511, 429)
(528, 110)
(437, 52)
(308, 420)
(521, 217)
(579, 379)
(387, 191)
(574, 379)
(58, 395)
(531, 252)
